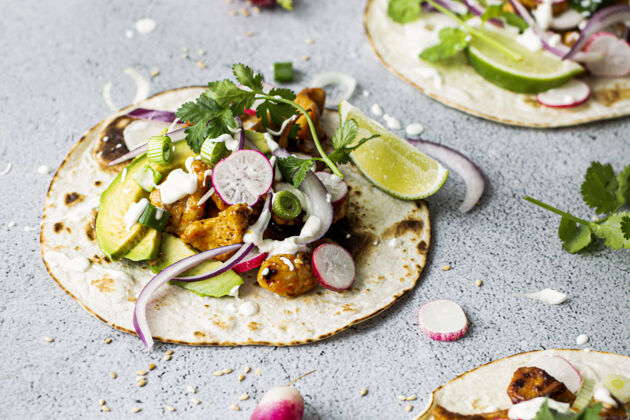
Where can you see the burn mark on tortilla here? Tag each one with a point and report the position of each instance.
(609, 97)
(253, 326)
(422, 247)
(89, 231)
(199, 334)
(413, 226)
(345, 232)
(532, 101)
(72, 198)
(114, 147)
(97, 183)
(58, 227)
(105, 284)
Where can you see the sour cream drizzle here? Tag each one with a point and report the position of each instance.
(282, 127)
(178, 184)
(527, 410)
(134, 212)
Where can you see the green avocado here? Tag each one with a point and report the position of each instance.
(113, 237)
(174, 249)
(148, 248)
(259, 141)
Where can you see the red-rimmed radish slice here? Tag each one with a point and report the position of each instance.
(242, 177)
(616, 61)
(573, 93)
(333, 267)
(443, 320)
(251, 261)
(280, 403)
(561, 370)
(336, 187)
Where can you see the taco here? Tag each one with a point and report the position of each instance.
(232, 234)
(534, 63)
(538, 384)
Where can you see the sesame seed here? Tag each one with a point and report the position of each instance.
(141, 373)
(446, 267)
(49, 339)
(245, 12)
(478, 282)
(232, 13)
(411, 398)
(226, 371)
(401, 397)
(363, 392)
(191, 389)
(257, 372)
(113, 374)
(195, 401)
(108, 340)
(101, 402)
(201, 64)
(155, 73)
(243, 397)
(169, 352)
(309, 41)
(152, 366)
(169, 408)
(249, 34)
(136, 410)
(167, 357)
(235, 407)
(247, 369)
(217, 373)
(306, 58)
(105, 408)
(241, 377)
(409, 407)
(142, 383)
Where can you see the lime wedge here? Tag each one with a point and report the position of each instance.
(390, 163)
(536, 72)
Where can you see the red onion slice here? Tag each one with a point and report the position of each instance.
(467, 169)
(523, 13)
(226, 266)
(140, 323)
(153, 115)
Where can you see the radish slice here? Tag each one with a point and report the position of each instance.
(466, 168)
(242, 177)
(443, 320)
(573, 93)
(561, 370)
(336, 187)
(616, 61)
(333, 267)
(280, 403)
(251, 261)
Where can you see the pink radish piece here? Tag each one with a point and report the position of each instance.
(253, 260)
(280, 403)
(573, 93)
(561, 370)
(242, 177)
(616, 61)
(443, 320)
(336, 187)
(333, 267)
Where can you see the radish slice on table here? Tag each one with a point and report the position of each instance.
(333, 267)
(466, 168)
(443, 320)
(616, 61)
(280, 403)
(561, 370)
(242, 177)
(336, 187)
(253, 260)
(573, 93)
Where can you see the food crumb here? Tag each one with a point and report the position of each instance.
(409, 407)
(243, 397)
(309, 41)
(49, 339)
(217, 373)
(235, 407)
(446, 267)
(401, 397)
(105, 408)
(226, 371)
(191, 389)
(201, 64)
(363, 392)
(195, 401)
(169, 352)
(152, 366)
(108, 340)
(141, 383)
(201, 52)
(249, 34)
(113, 374)
(101, 402)
(245, 12)
(232, 13)
(167, 357)
(306, 58)
(141, 373)
(478, 282)
(257, 372)
(411, 398)
(169, 408)
(256, 9)
(136, 409)
(241, 377)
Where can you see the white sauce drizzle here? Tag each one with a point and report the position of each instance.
(273, 146)
(414, 129)
(530, 40)
(206, 174)
(134, 212)
(265, 271)
(282, 127)
(543, 14)
(393, 123)
(581, 339)
(248, 308)
(527, 410)
(288, 263)
(376, 110)
(80, 264)
(145, 25)
(234, 291)
(603, 395)
(205, 197)
(43, 169)
(178, 185)
(124, 174)
(548, 296)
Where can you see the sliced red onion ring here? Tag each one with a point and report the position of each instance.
(154, 115)
(467, 169)
(598, 22)
(253, 260)
(328, 78)
(478, 10)
(226, 266)
(138, 150)
(140, 323)
(523, 13)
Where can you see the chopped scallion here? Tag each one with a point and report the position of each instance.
(154, 217)
(160, 149)
(283, 71)
(147, 178)
(286, 205)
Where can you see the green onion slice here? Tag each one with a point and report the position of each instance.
(584, 395)
(283, 71)
(154, 217)
(160, 149)
(147, 178)
(212, 152)
(619, 386)
(286, 205)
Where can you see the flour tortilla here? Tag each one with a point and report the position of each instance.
(107, 289)
(459, 86)
(484, 389)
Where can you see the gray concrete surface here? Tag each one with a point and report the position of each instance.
(55, 58)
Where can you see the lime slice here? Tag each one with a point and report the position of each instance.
(536, 72)
(390, 163)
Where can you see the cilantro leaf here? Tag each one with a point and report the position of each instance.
(492, 11)
(574, 237)
(287, 4)
(588, 413)
(245, 76)
(623, 190)
(274, 110)
(452, 41)
(403, 11)
(209, 119)
(227, 94)
(614, 230)
(599, 188)
(345, 134)
(496, 11)
(342, 155)
(294, 169)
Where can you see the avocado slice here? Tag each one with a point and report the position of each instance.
(174, 249)
(113, 237)
(259, 140)
(148, 248)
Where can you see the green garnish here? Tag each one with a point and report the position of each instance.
(160, 148)
(283, 71)
(403, 11)
(452, 41)
(154, 217)
(607, 193)
(286, 205)
(287, 4)
(583, 397)
(295, 169)
(512, 19)
(213, 151)
(589, 413)
(147, 178)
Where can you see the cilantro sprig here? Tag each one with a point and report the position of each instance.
(607, 193)
(588, 413)
(295, 169)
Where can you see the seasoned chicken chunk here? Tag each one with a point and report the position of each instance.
(532, 382)
(186, 210)
(441, 413)
(287, 275)
(617, 412)
(312, 100)
(226, 229)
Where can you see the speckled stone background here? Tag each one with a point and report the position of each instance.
(55, 58)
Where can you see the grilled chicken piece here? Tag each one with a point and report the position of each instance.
(441, 413)
(226, 229)
(532, 382)
(557, 8)
(287, 279)
(186, 210)
(312, 100)
(614, 413)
